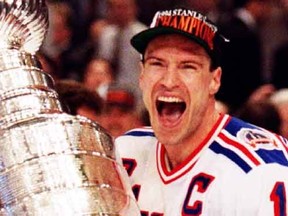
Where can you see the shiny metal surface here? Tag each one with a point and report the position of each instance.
(11, 59)
(20, 78)
(47, 134)
(77, 201)
(29, 99)
(84, 200)
(23, 24)
(51, 163)
(65, 158)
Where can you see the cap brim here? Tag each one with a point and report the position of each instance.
(141, 40)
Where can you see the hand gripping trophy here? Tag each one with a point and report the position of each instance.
(51, 163)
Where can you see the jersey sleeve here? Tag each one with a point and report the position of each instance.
(263, 191)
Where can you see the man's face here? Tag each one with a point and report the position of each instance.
(122, 11)
(98, 72)
(178, 87)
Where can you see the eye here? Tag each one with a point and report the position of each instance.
(188, 66)
(154, 62)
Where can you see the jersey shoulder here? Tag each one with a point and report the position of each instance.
(249, 146)
(136, 142)
(137, 135)
(140, 132)
(134, 149)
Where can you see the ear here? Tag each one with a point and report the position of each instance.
(215, 81)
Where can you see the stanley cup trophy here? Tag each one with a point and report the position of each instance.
(51, 163)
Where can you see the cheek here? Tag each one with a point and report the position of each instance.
(195, 85)
(141, 82)
(198, 90)
(146, 90)
(146, 84)
(147, 81)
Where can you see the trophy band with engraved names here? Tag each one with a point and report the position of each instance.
(51, 163)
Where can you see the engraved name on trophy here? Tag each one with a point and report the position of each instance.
(51, 163)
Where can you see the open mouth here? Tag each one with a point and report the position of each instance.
(170, 109)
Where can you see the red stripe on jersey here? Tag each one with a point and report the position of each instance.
(188, 163)
(164, 168)
(239, 146)
(282, 142)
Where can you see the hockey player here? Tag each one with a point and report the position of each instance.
(194, 160)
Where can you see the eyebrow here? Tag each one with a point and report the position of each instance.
(151, 57)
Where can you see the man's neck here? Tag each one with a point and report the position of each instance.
(177, 154)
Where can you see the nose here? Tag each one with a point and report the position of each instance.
(170, 78)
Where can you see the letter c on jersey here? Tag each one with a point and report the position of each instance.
(202, 181)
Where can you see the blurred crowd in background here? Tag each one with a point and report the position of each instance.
(88, 53)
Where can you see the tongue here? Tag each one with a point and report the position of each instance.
(171, 112)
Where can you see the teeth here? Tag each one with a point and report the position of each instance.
(170, 99)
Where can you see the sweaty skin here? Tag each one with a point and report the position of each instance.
(178, 90)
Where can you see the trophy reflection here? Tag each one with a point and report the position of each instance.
(51, 163)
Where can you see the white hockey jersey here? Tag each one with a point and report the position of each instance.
(239, 169)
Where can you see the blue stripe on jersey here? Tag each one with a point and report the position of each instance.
(218, 149)
(140, 133)
(273, 156)
(236, 124)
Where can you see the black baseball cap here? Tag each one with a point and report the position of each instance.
(186, 22)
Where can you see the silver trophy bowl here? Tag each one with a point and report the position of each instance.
(51, 163)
